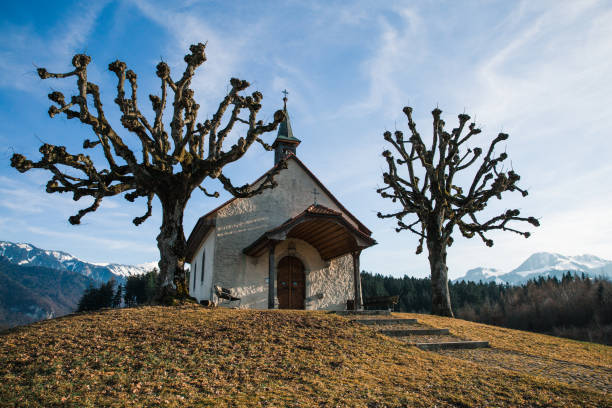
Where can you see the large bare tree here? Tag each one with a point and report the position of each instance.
(173, 162)
(426, 189)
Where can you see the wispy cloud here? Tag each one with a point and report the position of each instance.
(186, 27)
(538, 70)
(551, 57)
(401, 45)
(23, 197)
(93, 241)
(54, 47)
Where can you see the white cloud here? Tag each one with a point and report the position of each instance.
(24, 198)
(552, 67)
(539, 70)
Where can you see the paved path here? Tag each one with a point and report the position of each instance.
(571, 373)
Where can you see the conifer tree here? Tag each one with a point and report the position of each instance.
(117, 297)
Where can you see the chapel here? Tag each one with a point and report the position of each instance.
(294, 246)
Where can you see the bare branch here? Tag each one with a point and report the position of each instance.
(76, 219)
(213, 195)
(252, 190)
(139, 220)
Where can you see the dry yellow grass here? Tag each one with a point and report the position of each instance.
(541, 345)
(191, 356)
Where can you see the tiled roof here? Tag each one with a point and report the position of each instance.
(319, 209)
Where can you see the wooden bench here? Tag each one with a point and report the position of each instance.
(380, 302)
(226, 294)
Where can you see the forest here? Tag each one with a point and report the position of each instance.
(575, 306)
(138, 290)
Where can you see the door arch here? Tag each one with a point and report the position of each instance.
(291, 283)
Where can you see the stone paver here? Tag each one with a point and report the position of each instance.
(386, 322)
(571, 373)
(401, 326)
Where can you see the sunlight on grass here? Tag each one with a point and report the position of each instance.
(579, 352)
(185, 356)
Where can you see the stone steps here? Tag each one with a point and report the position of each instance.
(453, 345)
(428, 335)
(384, 322)
(413, 332)
(363, 313)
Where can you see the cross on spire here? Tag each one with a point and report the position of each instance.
(315, 193)
(285, 97)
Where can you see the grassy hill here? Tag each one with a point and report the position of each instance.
(191, 356)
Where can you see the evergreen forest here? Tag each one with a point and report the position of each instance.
(575, 306)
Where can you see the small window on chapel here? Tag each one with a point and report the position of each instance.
(195, 271)
(203, 263)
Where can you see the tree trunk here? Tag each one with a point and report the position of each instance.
(172, 246)
(440, 296)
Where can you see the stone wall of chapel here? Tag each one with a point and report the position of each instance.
(328, 284)
(241, 222)
(206, 251)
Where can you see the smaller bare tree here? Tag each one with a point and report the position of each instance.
(428, 190)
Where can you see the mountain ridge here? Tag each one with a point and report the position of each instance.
(32, 293)
(26, 254)
(544, 264)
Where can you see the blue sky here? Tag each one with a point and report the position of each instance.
(540, 71)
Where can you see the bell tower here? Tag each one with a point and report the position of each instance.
(285, 142)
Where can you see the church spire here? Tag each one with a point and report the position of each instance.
(285, 142)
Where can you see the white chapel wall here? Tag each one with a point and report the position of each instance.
(242, 221)
(203, 288)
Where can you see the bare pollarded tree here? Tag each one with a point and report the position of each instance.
(172, 163)
(427, 189)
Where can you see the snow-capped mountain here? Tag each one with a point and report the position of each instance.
(546, 265)
(28, 255)
(482, 274)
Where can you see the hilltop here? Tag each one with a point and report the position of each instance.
(186, 356)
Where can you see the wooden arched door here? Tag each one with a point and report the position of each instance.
(291, 283)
